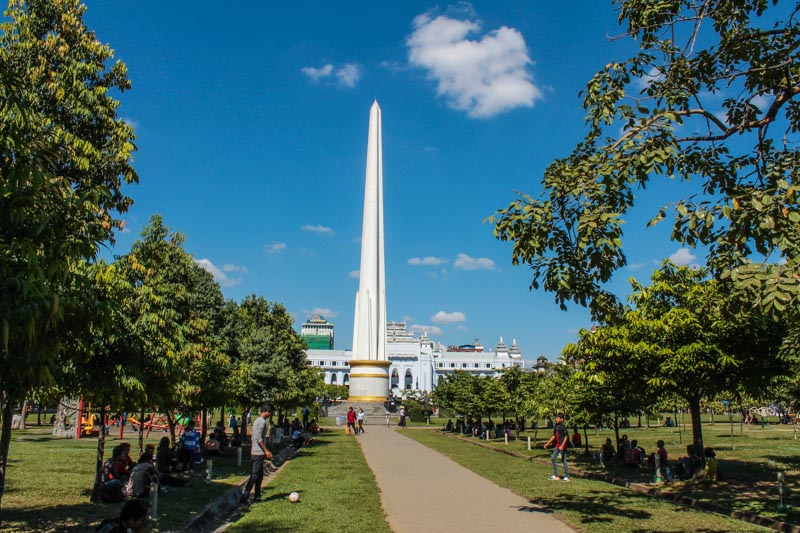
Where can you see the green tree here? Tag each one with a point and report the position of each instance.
(269, 357)
(65, 156)
(683, 339)
(712, 98)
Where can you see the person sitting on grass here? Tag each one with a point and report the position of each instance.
(167, 464)
(608, 450)
(144, 473)
(712, 473)
(576, 438)
(212, 445)
(449, 426)
(236, 438)
(297, 439)
(114, 476)
(219, 434)
(132, 519)
(129, 462)
(313, 428)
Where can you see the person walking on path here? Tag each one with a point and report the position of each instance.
(361, 417)
(561, 440)
(258, 453)
(351, 420)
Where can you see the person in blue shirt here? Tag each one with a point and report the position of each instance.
(190, 441)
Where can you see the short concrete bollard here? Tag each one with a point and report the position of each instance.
(529, 443)
(154, 501)
(239, 456)
(209, 470)
(506, 436)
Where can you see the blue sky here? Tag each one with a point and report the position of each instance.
(251, 121)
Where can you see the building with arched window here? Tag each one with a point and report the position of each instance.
(417, 363)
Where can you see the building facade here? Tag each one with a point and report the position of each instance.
(417, 363)
(318, 333)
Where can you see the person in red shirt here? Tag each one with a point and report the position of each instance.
(561, 440)
(351, 420)
(576, 438)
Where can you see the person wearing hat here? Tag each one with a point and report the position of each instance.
(258, 453)
(561, 440)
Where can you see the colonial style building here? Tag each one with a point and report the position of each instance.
(417, 363)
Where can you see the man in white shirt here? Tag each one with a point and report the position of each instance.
(258, 453)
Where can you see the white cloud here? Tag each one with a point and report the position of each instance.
(346, 75)
(234, 268)
(427, 261)
(465, 262)
(275, 247)
(683, 257)
(462, 327)
(219, 276)
(432, 331)
(448, 318)
(322, 311)
(355, 274)
(483, 77)
(316, 74)
(320, 230)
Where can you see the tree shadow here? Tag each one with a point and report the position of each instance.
(595, 507)
(78, 517)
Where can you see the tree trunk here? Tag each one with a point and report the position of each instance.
(39, 415)
(586, 437)
(23, 415)
(204, 424)
(171, 422)
(141, 433)
(101, 446)
(5, 442)
(244, 424)
(697, 431)
(640, 420)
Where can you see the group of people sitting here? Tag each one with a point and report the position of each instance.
(123, 478)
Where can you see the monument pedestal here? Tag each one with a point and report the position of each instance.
(369, 381)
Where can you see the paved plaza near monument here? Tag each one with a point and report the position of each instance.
(422, 490)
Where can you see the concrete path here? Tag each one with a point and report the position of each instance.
(422, 490)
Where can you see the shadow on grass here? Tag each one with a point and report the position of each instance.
(76, 517)
(597, 506)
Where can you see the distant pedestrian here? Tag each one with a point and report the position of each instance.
(351, 421)
(402, 422)
(360, 417)
(258, 453)
(306, 414)
(388, 420)
(560, 439)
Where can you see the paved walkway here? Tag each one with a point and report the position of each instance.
(422, 490)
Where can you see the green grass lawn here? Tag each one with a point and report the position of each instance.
(338, 492)
(749, 471)
(586, 505)
(49, 481)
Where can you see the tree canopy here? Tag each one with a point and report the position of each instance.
(711, 97)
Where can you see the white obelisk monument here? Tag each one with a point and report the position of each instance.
(369, 368)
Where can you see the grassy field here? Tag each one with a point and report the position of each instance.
(49, 481)
(586, 505)
(749, 472)
(338, 492)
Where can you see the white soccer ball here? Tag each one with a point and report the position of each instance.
(294, 497)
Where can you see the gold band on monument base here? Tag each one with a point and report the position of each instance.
(367, 399)
(369, 363)
(352, 375)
